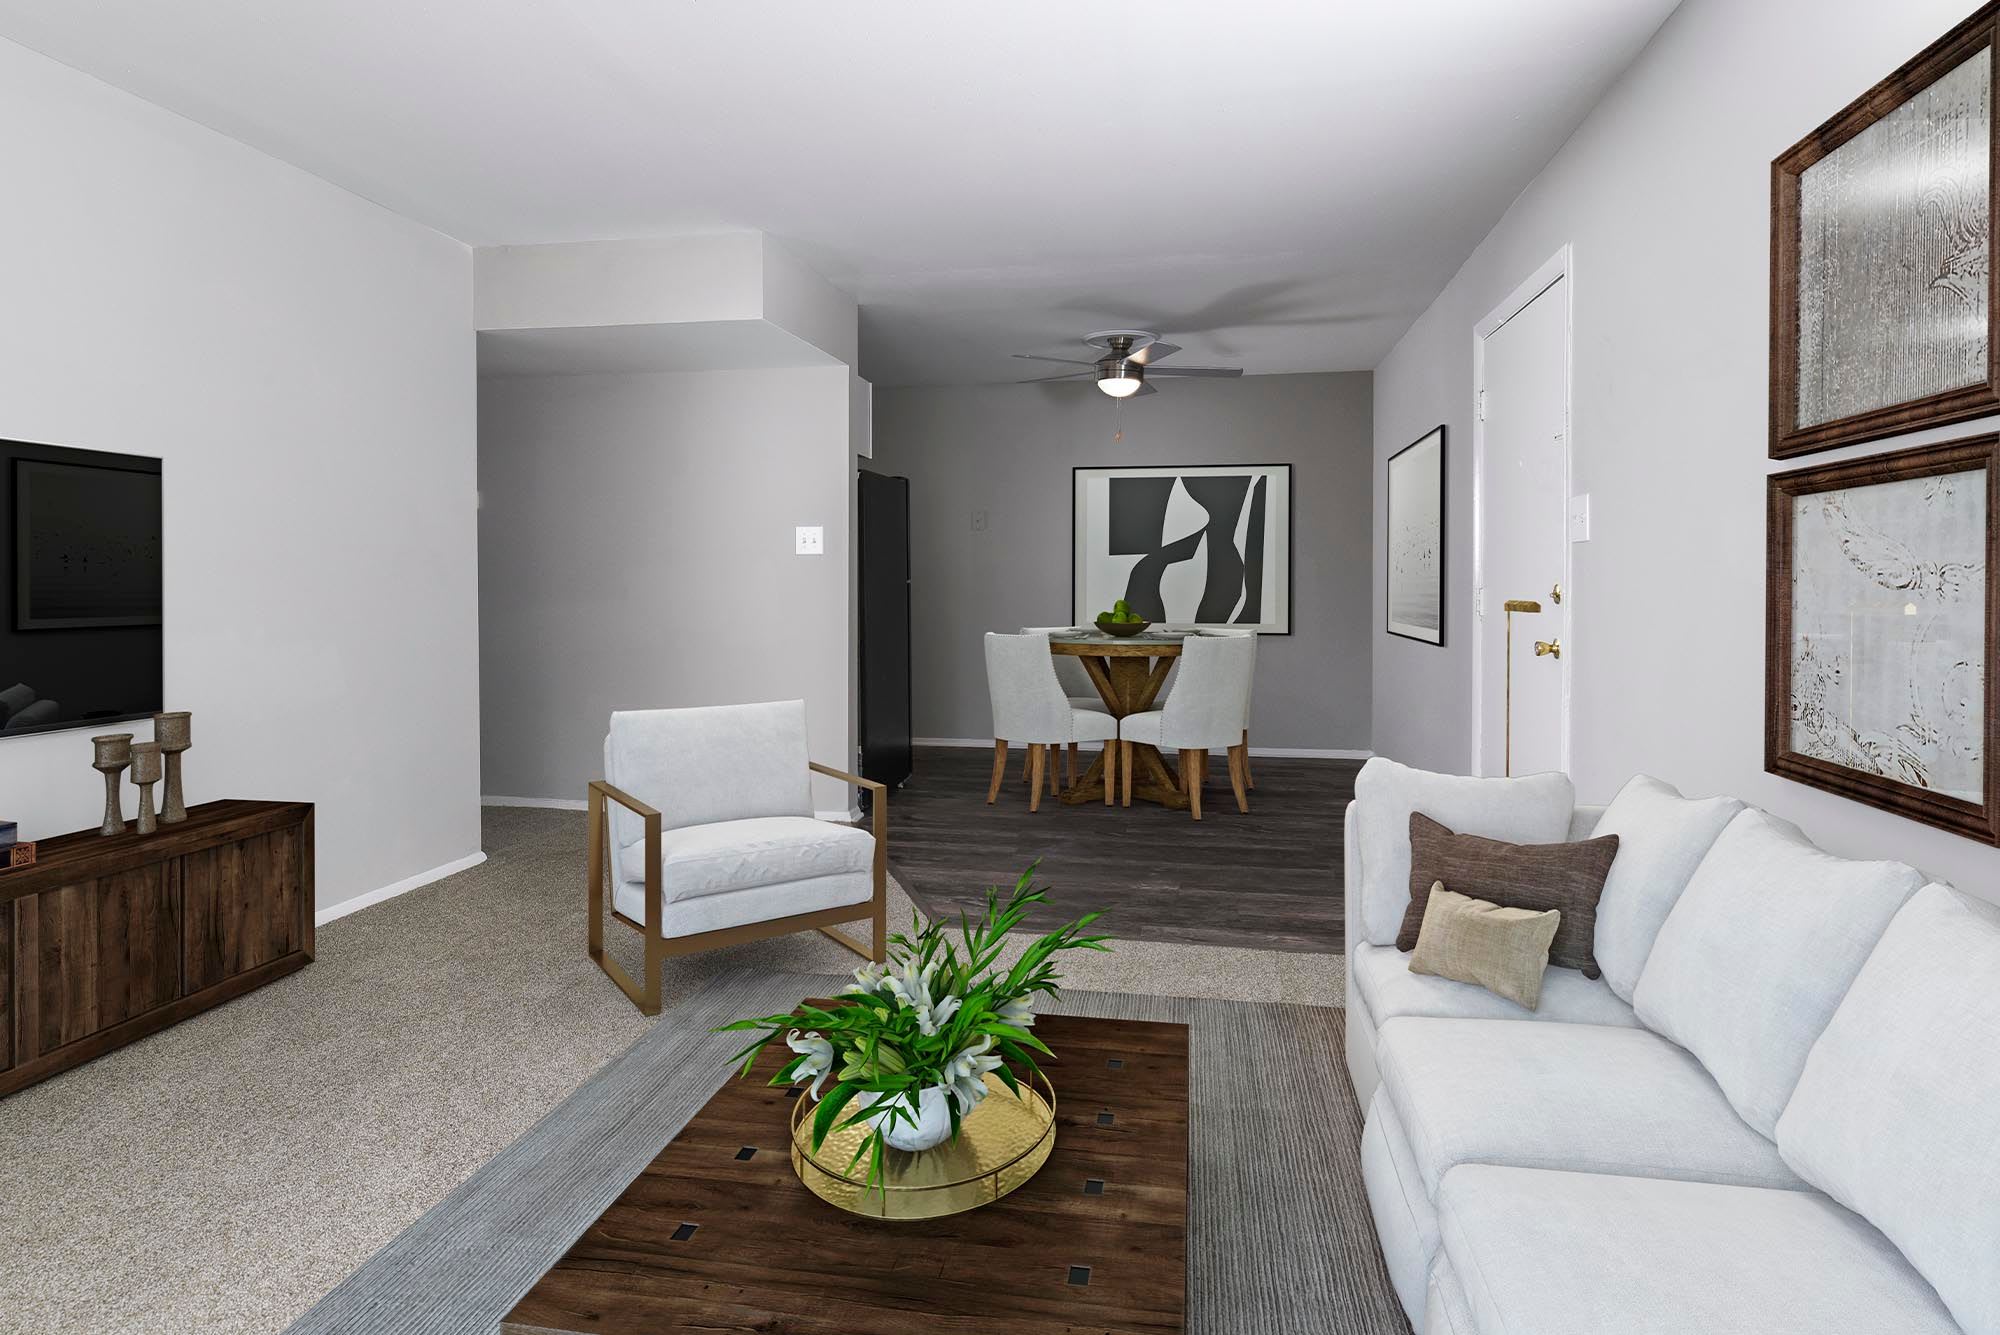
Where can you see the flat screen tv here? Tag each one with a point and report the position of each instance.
(80, 570)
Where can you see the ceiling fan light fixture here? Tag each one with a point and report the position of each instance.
(1120, 379)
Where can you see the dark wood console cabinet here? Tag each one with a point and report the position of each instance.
(104, 940)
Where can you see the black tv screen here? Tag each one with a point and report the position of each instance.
(80, 644)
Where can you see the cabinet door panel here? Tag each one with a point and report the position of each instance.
(244, 906)
(6, 986)
(94, 954)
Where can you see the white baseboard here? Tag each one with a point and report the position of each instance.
(1275, 752)
(576, 804)
(402, 887)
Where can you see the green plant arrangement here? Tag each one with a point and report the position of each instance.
(910, 1041)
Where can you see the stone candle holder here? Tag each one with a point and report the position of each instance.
(171, 731)
(113, 754)
(146, 769)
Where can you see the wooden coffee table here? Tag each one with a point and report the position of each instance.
(718, 1234)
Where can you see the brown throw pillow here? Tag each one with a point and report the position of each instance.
(1503, 950)
(1567, 877)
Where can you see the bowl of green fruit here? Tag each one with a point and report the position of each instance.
(1121, 620)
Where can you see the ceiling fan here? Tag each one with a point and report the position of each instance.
(1127, 359)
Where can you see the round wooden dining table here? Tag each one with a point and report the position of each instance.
(1128, 671)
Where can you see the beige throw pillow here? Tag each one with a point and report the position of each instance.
(1470, 940)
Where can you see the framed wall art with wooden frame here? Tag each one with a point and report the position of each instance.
(1880, 632)
(1883, 297)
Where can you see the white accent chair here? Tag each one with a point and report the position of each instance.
(1029, 708)
(711, 839)
(1076, 686)
(1205, 713)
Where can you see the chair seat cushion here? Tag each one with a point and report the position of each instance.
(1090, 702)
(1142, 728)
(1552, 1253)
(758, 904)
(702, 860)
(1583, 1097)
(1389, 990)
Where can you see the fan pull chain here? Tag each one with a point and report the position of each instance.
(1118, 418)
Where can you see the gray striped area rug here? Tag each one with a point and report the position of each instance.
(1280, 1241)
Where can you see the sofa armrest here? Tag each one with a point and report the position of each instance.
(1583, 821)
(1350, 882)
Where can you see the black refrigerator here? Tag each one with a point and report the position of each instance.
(883, 514)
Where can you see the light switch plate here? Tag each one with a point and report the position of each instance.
(1579, 518)
(978, 521)
(811, 541)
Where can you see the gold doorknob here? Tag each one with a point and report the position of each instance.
(1548, 648)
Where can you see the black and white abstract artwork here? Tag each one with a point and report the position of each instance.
(1888, 630)
(1194, 547)
(1892, 262)
(1416, 540)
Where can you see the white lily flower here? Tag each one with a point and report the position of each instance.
(868, 979)
(965, 1073)
(1020, 1012)
(913, 989)
(818, 1053)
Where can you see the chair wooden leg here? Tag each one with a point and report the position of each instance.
(1125, 770)
(1069, 775)
(1055, 765)
(999, 769)
(1239, 771)
(1110, 773)
(1037, 754)
(1198, 766)
(1248, 780)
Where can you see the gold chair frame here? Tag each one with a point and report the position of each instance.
(658, 947)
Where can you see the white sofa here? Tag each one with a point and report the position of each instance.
(1778, 1111)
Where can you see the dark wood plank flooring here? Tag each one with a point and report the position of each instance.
(1270, 880)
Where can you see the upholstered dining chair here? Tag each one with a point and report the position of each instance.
(1205, 713)
(1029, 708)
(1076, 688)
(1167, 691)
(711, 838)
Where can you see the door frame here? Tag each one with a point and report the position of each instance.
(1559, 267)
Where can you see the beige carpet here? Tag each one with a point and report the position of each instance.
(223, 1175)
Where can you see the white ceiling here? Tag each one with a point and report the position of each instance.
(1280, 185)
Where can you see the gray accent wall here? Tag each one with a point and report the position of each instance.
(1664, 196)
(1005, 452)
(636, 552)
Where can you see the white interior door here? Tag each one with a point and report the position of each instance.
(1522, 465)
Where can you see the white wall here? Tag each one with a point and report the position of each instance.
(303, 361)
(636, 552)
(1664, 192)
(1009, 450)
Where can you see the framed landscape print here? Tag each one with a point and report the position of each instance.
(1191, 548)
(1882, 228)
(1880, 632)
(1416, 539)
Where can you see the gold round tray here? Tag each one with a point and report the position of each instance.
(1002, 1144)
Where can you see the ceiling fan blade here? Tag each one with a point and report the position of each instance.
(1066, 361)
(1143, 389)
(1073, 375)
(1196, 370)
(1153, 352)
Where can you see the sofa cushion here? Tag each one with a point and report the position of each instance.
(1895, 1114)
(1586, 1098)
(1446, 1311)
(1551, 1253)
(1662, 838)
(1400, 1204)
(1531, 810)
(1564, 876)
(1388, 990)
(1759, 950)
(737, 854)
(1504, 950)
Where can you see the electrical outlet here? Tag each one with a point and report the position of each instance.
(1579, 518)
(811, 541)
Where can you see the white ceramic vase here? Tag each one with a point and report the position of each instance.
(931, 1129)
